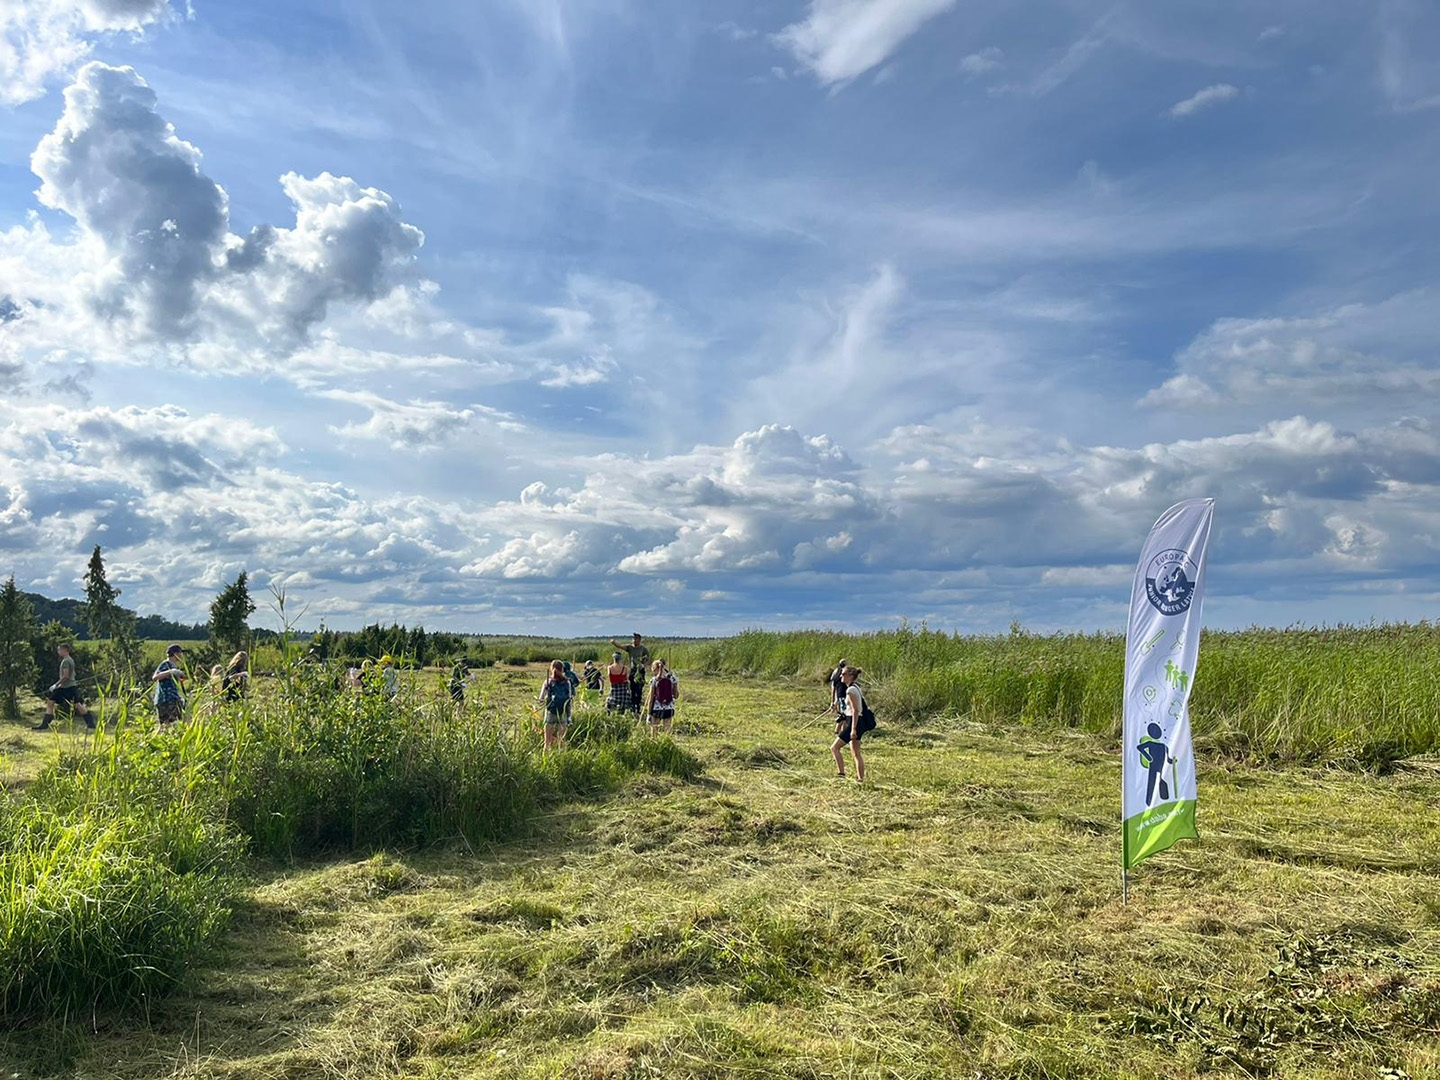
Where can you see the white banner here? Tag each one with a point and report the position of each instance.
(1161, 647)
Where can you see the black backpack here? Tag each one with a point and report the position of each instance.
(867, 717)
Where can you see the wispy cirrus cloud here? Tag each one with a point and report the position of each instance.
(840, 39)
(1207, 98)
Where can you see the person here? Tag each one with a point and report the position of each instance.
(619, 674)
(1155, 756)
(851, 725)
(555, 696)
(353, 676)
(169, 699)
(837, 687)
(389, 677)
(592, 675)
(664, 690)
(458, 675)
(639, 665)
(66, 690)
(574, 681)
(236, 679)
(367, 677)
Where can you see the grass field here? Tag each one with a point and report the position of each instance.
(957, 916)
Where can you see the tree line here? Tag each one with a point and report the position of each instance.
(113, 635)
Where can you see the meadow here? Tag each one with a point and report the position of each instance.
(720, 904)
(1358, 696)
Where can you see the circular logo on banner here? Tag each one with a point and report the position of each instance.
(1170, 581)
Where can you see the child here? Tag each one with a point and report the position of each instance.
(664, 690)
(555, 696)
(169, 701)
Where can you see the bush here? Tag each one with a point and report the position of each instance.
(116, 866)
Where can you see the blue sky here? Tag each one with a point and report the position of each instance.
(563, 316)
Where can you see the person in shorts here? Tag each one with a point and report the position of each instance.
(850, 726)
(65, 692)
(555, 696)
(169, 699)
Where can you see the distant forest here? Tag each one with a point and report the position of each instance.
(67, 613)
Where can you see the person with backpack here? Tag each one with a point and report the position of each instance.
(855, 719)
(664, 692)
(169, 701)
(555, 696)
(65, 691)
(592, 675)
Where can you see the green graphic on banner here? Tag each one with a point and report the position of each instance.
(1157, 828)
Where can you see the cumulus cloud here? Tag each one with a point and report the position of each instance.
(155, 228)
(1204, 99)
(840, 39)
(40, 39)
(118, 168)
(1381, 353)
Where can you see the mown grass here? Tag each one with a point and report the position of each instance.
(119, 860)
(958, 916)
(1357, 696)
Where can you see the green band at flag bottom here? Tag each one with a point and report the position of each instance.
(1157, 828)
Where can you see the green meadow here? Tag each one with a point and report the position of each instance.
(312, 886)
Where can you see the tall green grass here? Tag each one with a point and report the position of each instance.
(1358, 696)
(117, 866)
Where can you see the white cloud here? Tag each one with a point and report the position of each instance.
(155, 255)
(409, 425)
(840, 39)
(1380, 354)
(983, 62)
(40, 39)
(1204, 99)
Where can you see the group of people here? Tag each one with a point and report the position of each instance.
(230, 682)
(629, 689)
(637, 684)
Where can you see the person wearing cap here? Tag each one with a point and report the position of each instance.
(591, 675)
(837, 687)
(390, 678)
(169, 700)
(639, 668)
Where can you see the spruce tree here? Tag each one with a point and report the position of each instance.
(102, 600)
(17, 660)
(107, 621)
(230, 614)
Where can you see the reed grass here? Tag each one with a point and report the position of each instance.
(1359, 696)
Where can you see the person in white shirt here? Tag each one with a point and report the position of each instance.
(850, 726)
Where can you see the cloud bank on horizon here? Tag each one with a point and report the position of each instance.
(838, 312)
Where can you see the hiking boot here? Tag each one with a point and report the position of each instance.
(42, 726)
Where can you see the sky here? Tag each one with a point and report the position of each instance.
(584, 316)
